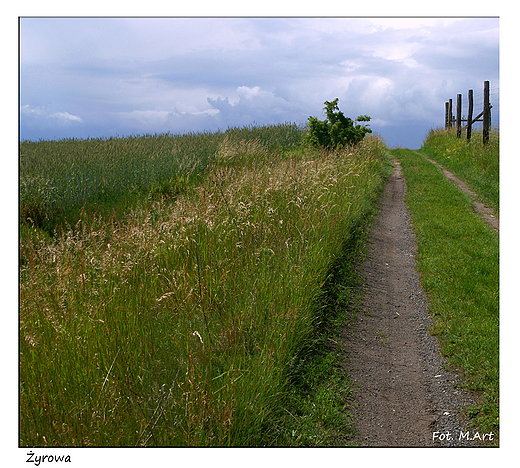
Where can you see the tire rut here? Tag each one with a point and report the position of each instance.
(487, 213)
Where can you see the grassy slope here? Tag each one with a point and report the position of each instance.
(187, 320)
(476, 164)
(458, 262)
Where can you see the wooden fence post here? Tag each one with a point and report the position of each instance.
(459, 113)
(484, 116)
(470, 113)
(487, 114)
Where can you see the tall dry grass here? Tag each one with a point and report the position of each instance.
(178, 324)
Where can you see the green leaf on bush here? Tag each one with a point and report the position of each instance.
(336, 130)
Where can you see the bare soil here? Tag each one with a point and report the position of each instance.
(403, 392)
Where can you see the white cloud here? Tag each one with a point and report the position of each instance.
(42, 115)
(66, 117)
(254, 105)
(248, 93)
(31, 111)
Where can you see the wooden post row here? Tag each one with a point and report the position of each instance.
(485, 114)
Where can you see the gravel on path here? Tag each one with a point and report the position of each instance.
(403, 395)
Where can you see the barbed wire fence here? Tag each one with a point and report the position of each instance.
(487, 99)
(478, 103)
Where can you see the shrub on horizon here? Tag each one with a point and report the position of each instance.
(336, 130)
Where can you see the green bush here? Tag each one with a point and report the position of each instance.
(336, 130)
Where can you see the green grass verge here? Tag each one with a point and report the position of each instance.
(472, 162)
(316, 413)
(458, 260)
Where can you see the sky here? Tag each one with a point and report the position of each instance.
(108, 76)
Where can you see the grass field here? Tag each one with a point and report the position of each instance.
(59, 178)
(458, 259)
(177, 290)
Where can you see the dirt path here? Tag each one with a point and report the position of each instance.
(487, 213)
(403, 395)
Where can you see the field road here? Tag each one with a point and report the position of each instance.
(487, 213)
(403, 395)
